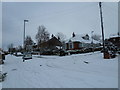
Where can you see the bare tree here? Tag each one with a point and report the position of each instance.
(20, 48)
(42, 35)
(96, 37)
(61, 36)
(11, 48)
(28, 43)
(28, 40)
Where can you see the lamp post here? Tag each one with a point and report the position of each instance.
(24, 39)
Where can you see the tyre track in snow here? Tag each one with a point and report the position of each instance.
(32, 76)
(41, 75)
(54, 65)
(66, 76)
(72, 79)
(51, 74)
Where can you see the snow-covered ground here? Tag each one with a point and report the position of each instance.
(61, 72)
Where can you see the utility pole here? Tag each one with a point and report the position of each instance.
(102, 28)
(92, 41)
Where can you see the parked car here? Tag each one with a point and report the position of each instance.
(35, 52)
(18, 54)
(27, 55)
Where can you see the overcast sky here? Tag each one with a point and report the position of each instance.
(0, 25)
(65, 17)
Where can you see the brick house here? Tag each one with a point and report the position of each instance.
(80, 41)
(51, 44)
(115, 40)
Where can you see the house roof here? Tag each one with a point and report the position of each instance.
(114, 35)
(1, 52)
(79, 38)
(52, 42)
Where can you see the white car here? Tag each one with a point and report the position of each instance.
(27, 55)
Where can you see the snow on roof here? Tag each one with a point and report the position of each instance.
(78, 38)
(1, 52)
(58, 47)
(114, 35)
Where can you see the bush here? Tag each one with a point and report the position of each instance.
(62, 53)
(1, 61)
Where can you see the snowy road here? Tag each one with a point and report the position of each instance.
(61, 72)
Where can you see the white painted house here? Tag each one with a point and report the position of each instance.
(81, 41)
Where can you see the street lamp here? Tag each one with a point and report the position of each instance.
(24, 39)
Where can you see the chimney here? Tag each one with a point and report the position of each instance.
(73, 35)
(52, 36)
(58, 38)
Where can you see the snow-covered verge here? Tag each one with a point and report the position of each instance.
(61, 72)
(0, 83)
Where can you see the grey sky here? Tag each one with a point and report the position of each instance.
(0, 24)
(62, 17)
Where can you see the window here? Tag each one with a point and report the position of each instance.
(70, 45)
(80, 45)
